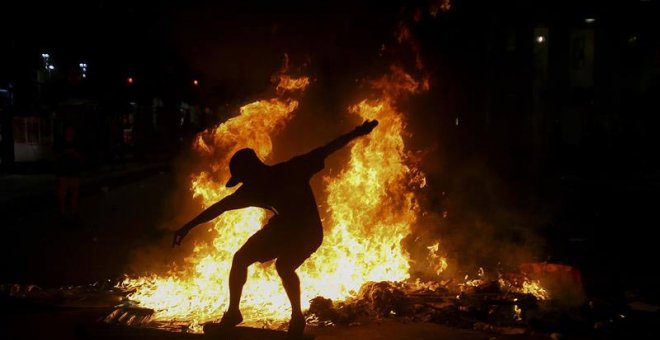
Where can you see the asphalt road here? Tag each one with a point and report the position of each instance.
(81, 324)
(114, 221)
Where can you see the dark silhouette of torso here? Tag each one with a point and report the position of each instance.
(284, 189)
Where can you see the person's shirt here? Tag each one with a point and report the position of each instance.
(284, 189)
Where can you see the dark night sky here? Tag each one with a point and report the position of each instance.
(218, 39)
(245, 39)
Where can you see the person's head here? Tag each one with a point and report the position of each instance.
(244, 166)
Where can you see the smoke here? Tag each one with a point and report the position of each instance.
(482, 224)
(477, 216)
(156, 254)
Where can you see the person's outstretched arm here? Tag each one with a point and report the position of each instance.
(230, 202)
(344, 139)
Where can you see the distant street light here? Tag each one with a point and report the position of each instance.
(195, 82)
(129, 80)
(83, 69)
(540, 39)
(51, 67)
(45, 58)
(590, 20)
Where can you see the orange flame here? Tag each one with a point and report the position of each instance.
(438, 262)
(439, 5)
(370, 204)
(286, 83)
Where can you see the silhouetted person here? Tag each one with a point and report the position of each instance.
(291, 235)
(69, 166)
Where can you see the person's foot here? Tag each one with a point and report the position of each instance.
(228, 322)
(296, 327)
(231, 319)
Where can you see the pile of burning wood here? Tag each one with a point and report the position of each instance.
(484, 307)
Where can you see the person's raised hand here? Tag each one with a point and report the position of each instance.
(366, 127)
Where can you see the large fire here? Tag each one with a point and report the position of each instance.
(370, 204)
(369, 208)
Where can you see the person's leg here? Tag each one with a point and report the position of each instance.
(254, 250)
(286, 269)
(297, 250)
(237, 278)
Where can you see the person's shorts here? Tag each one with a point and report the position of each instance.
(283, 240)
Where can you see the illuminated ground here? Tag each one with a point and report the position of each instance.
(79, 324)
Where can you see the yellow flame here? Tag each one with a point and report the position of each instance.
(370, 208)
(517, 313)
(438, 262)
(534, 287)
(287, 83)
(527, 286)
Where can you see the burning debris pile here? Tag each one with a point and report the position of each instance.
(491, 309)
(494, 306)
(499, 306)
(512, 304)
